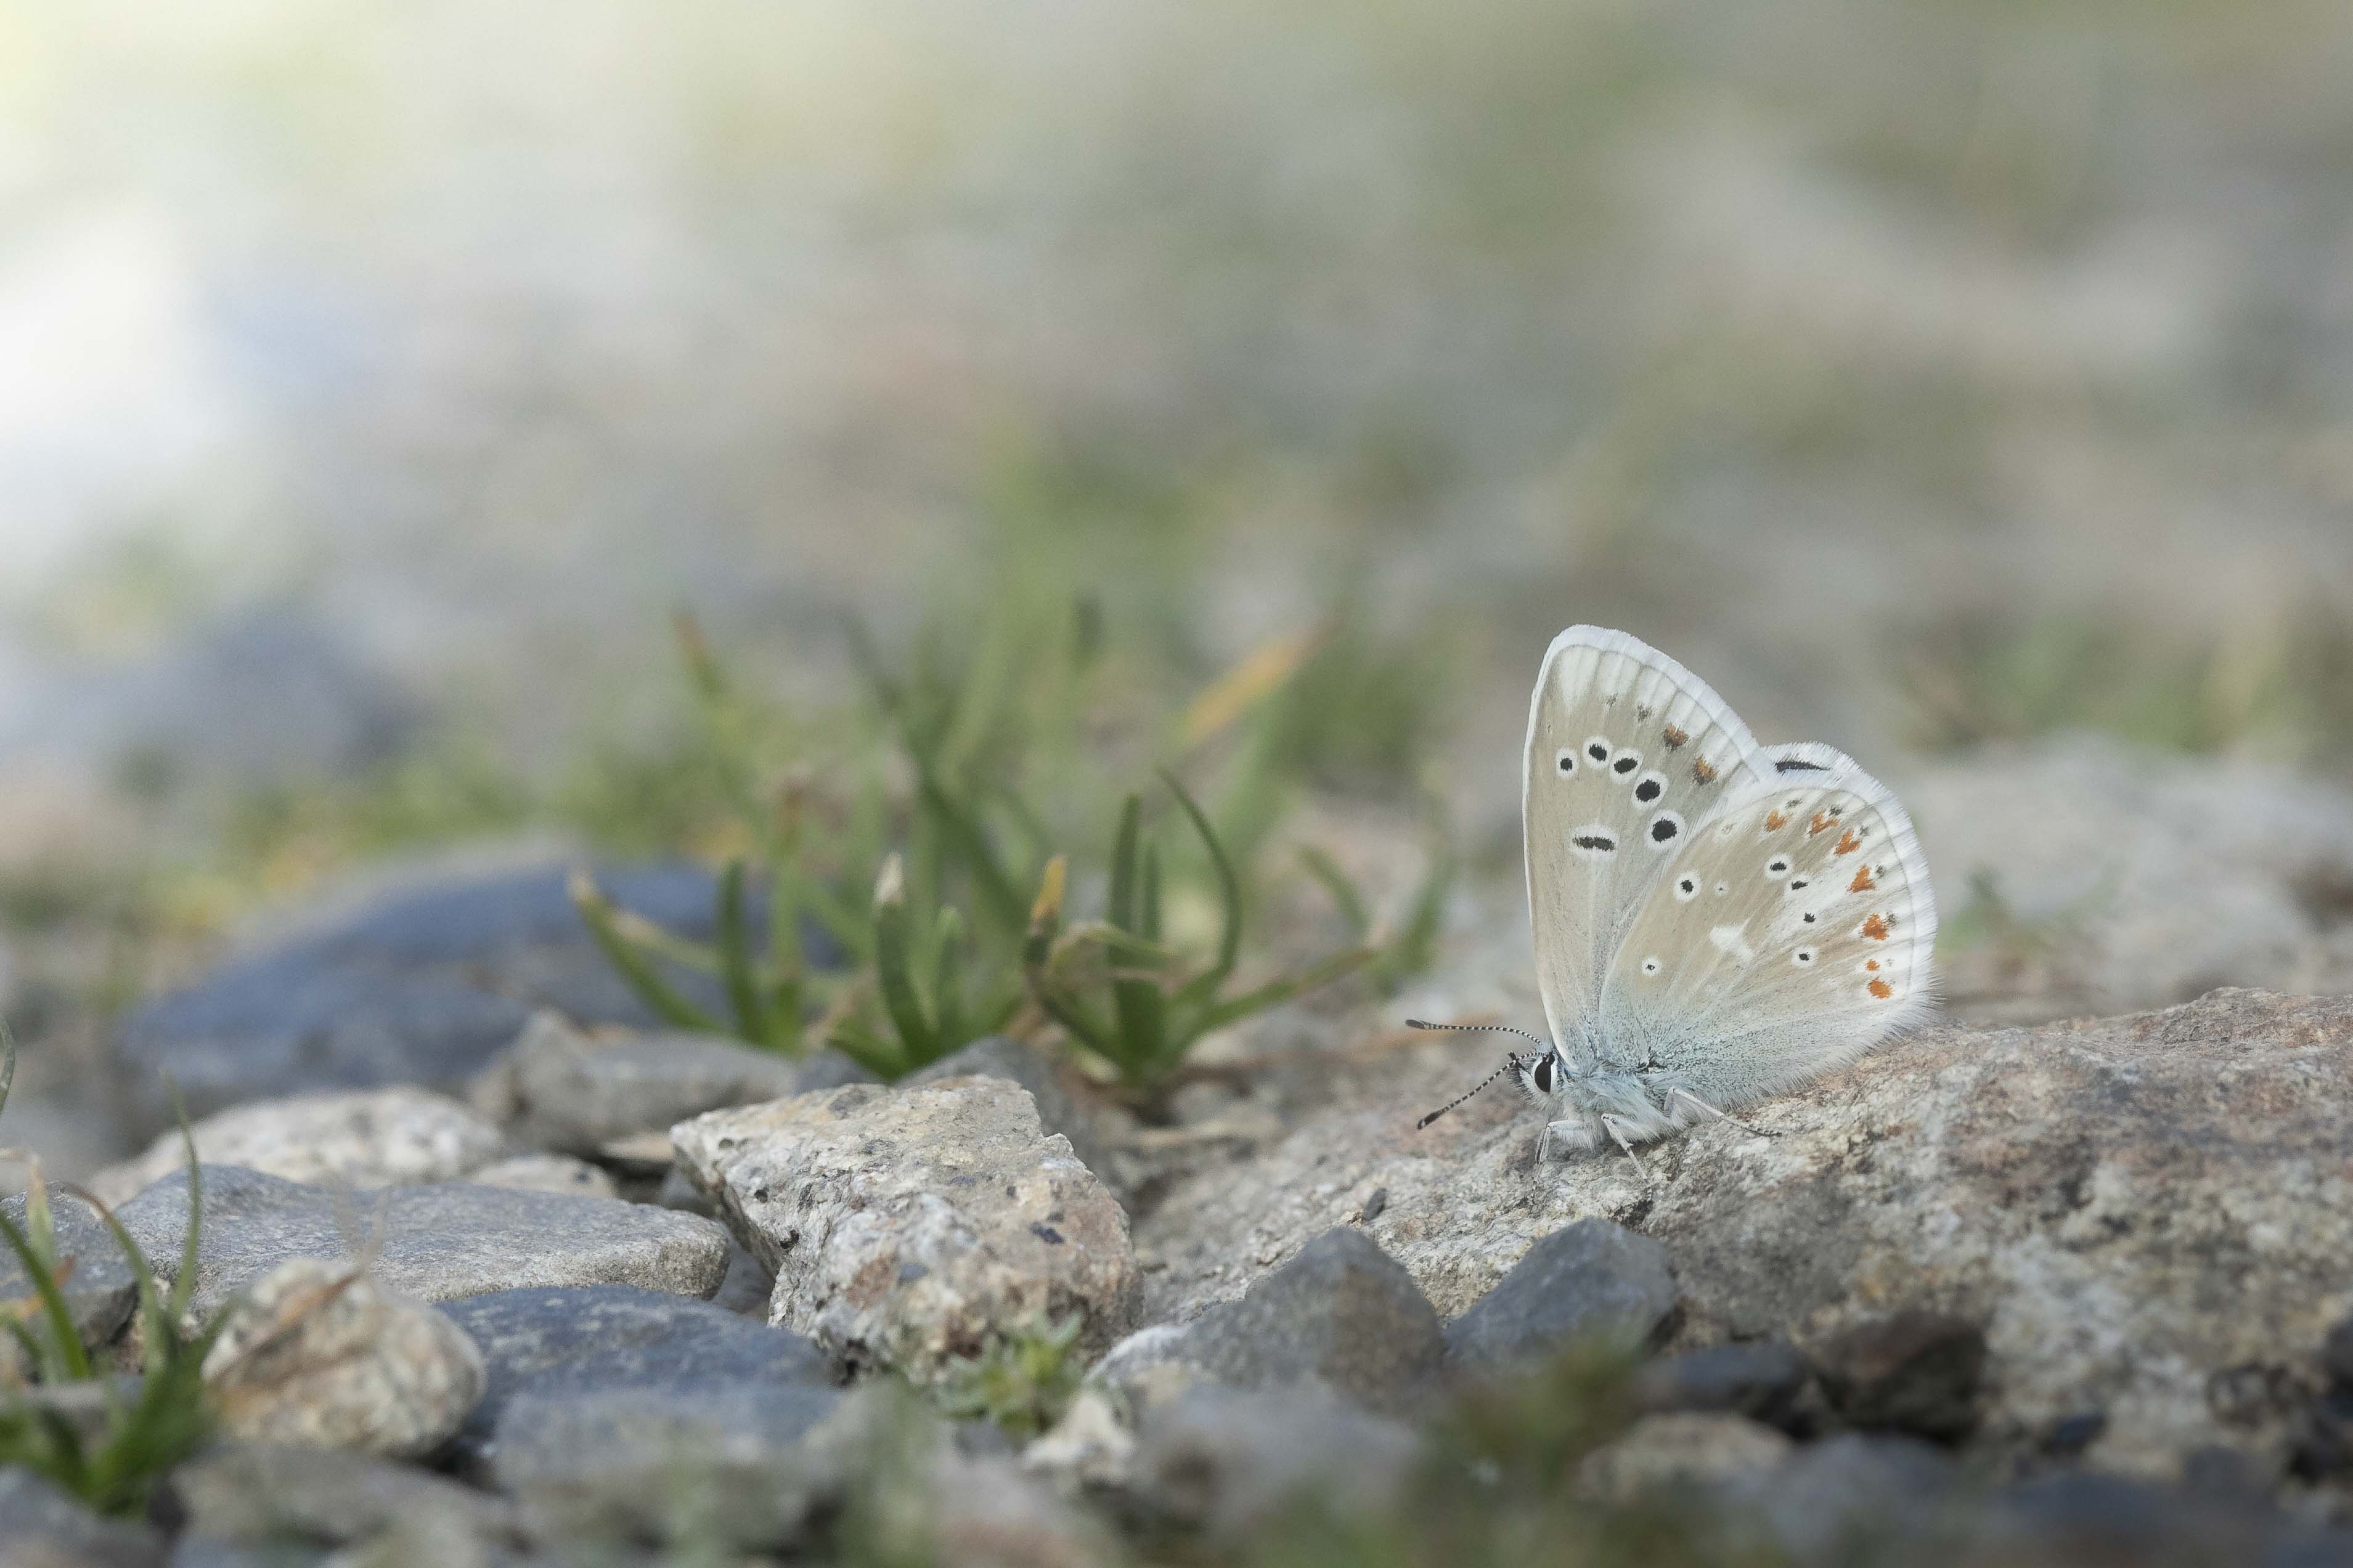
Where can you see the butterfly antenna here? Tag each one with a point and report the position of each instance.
(1483, 1083)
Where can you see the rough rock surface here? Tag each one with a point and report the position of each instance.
(100, 1289)
(584, 1342)
(910, 1226)
(2130, 1207)
(1589, 1278)
(1341, 1316)
(1222, 1460)
(439, 1243)
(1050, 1083)
(374, 1138)
(1678, 1452)
(2131, 879)
(1762, 1379)
(547, 1174)
(42, 1527)
(320, 1355)
(255, 1494)
(422, 986)
(573, 1091)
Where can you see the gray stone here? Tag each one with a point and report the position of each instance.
(908, 1226)
(826, 1068)
(42, 1527)
(547, 1174)
(552, 1345)
(1680, 1453)
(1857, 1497)
(1225, 1461)
(255, 1494)
(579, 1092)
(1761, 1379)
(100, 1289)
(2337, 1355)
(2062, 1520)
(1054, 1087)
(2130, 1207)
(1590, 1279)
(439, 1243)
(373, 1138)
(203, 1552)
(421, 986)
(749, 1286)
(1342, 1315)
(320, 1355)
(1913, 1372)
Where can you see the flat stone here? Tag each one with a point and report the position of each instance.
(1915, 1372)
(1342, 1316)
(908, 1226)
(1586, 1280)
(1676, 1454)
(373, 1138)
(317, 1355)
(100, 1289)
(439, 1243)
(419, 986)
(550, 1345)
(2131, 1207)
(257, 1494)
(576, 1092)
(41, 1526)
(547, 1174)
(1226, 1461)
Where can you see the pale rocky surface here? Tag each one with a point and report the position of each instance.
(42, 1527)
(1679, 1453)
(575, 1091)
(373, 1138)
(319, 1354)
(241, 1494)
(547, 1174)
(437, 1243)
(2128, 1206)
(2141, 878)
(910, 1226)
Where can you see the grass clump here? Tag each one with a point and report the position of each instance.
(1023, 1382)
(143, 1429)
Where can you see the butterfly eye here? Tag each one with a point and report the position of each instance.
(1543, 1075)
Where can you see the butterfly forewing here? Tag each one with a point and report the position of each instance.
(1785, 940)
(1630, 756)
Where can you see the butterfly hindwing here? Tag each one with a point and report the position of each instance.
(1629, 756)
(1784, 940)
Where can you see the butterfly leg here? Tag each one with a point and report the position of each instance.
(1616, 1131)
(1697, 1104)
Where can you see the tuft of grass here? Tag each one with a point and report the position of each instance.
(1118, 992)
(1023, 1382)
(146, 1429)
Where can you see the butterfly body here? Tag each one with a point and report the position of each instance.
(1714, 921)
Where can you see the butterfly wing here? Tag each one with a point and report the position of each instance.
(1628, 755)
(1785, 940)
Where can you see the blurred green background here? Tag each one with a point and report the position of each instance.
(376, 379)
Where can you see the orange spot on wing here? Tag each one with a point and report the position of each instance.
(1775, 822)
(1876, 928)
(1871, 963)
(1881, 989)
(1848, 843)
(1675, 738)
(1820, 824)
(1701, 773)
(1863, 882)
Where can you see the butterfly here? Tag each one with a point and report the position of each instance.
(1715, 921)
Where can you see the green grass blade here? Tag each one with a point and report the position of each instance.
(735, 960)
(1122, 864)
(947, 981)
(71, 1359)
(1229, 893)
(1343, 893)
(184, 1287)
(892, 963)
(999, 895)
(596, 912)
(1275, 992)
(8, 1062)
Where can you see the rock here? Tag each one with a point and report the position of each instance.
(1342, 1316)
(908, 1227)
(2129, 1205)
(2062, 1520)
(1915, 1372)
(749, 1285)
(2337, 1355)
(43, 1527)
(100, 1289)
(1761, 1379)
(1049, 1084)
(826, 1068)
(255, 1494)
(1224, 1461)
(583, 1343)
(986, 1513)
(320, 1355)
(439, 1243)
(1089, 1449)
(1679, 1453)
(579, 1092)
(1589, 1279)
(375, 1138)
(1859, 1499)
(2162, 877)
(202, 1552)
(420, 987)
(547, 1174)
